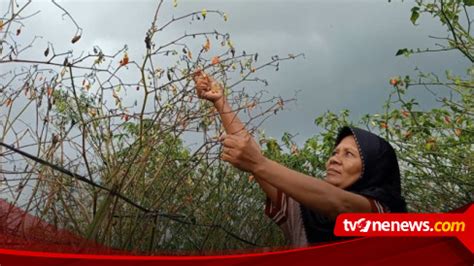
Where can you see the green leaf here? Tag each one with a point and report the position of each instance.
(414, 14)
(403, 51)
(468, 2)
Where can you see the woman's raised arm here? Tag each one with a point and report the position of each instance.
(209, 89)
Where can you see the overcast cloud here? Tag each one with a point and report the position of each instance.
(349, 46)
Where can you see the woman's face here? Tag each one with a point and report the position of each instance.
(344, 166)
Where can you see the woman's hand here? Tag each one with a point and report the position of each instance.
(207, 87)
(242, 152)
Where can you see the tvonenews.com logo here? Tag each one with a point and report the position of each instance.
(460, 225)
(364, 225)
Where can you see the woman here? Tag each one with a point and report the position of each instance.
(362, 176)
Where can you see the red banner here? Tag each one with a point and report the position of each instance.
(27, 240)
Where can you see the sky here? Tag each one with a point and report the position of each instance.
(349, 46)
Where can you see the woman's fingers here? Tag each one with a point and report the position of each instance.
(206, 86)
(200, 78)
(200, 93)
(226, 154)
(199, 73)
(225, 157)
(230, 141)
(202, 86)
(226, 151)
(202, 83)
(209, 94)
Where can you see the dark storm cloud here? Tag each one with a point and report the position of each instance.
(349, 46)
